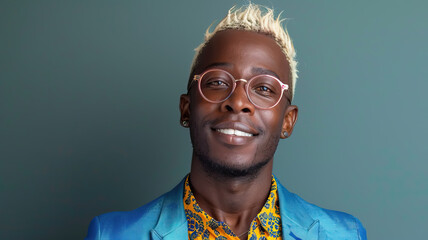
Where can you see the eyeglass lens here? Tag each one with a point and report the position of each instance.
(263, 91)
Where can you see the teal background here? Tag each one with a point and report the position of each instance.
(89, 119)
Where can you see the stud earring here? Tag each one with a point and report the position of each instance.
(185, 123)
(285, 134)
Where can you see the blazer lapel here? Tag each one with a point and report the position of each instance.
(172, 223)
(297, 224)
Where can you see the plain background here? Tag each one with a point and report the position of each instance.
(89, 119)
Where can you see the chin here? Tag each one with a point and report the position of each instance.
(236, 170)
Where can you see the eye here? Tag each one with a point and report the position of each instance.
(264, 90)
(216, 83)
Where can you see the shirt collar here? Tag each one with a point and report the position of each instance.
(269, 216)
(200, 223)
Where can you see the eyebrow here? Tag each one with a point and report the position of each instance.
(257, 70)
(254, 70)
(218, 64)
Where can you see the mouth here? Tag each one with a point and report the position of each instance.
(238, 129)
(235, 132)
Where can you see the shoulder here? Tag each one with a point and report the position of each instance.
(126, 224)
(331, 224)
(156, 217)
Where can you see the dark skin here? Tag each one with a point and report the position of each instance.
(236, 199)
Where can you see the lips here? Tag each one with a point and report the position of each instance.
(235, 132)
(235, 129)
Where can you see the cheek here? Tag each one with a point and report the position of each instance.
(200, 111)
(272, 121)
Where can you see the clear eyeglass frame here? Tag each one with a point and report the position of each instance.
(197, 77)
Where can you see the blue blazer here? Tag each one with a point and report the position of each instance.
(164, 218)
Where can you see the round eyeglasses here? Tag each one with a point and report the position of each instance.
(217, 85)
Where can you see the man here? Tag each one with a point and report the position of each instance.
(237, 108)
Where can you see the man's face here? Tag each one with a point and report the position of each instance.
(244, 55)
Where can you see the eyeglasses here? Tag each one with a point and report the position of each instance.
(264, 91)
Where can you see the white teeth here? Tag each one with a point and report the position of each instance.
(235, 132)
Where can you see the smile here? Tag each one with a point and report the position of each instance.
(235, 132)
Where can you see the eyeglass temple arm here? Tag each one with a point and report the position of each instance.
(284, 86)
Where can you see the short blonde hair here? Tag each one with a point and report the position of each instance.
(255, 18)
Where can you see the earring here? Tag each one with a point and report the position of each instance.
(185, 123)
(285, 134)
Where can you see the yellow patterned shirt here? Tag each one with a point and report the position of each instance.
(266, 226)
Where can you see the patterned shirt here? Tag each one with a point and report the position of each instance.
(201, 226)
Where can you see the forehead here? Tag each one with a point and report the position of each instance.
(241, 52)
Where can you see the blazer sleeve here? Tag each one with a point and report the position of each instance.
(362, 235)
(94, 230)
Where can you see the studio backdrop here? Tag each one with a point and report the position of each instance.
(89, 119)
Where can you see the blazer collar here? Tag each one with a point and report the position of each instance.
(297, 224)
(172, 223)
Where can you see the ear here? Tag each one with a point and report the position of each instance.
(184, 108)
(290, 119)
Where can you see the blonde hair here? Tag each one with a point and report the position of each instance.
(255, 18)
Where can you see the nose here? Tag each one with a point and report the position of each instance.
(238, 101)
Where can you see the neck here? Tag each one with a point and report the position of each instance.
(234, 200)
